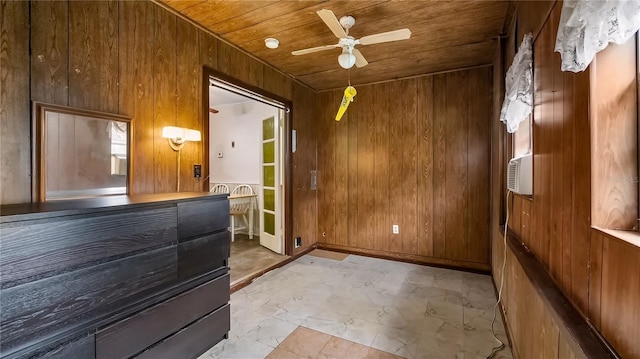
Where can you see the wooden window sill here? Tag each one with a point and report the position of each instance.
(631, 237)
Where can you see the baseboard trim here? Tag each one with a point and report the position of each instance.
(248, 280)
(411, 258)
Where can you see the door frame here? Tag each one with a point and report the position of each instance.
(207, 73)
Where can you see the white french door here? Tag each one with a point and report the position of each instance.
(271, 218)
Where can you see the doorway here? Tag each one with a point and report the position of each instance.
(247, 157)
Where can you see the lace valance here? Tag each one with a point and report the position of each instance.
(587, 26)
(518, 98)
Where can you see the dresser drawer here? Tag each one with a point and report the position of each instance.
(201, 255)
(139, 331)
(194, 339)
(197, 218)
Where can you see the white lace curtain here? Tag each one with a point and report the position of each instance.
(518, 98)
(587, 26)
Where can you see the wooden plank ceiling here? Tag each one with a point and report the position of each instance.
(446, 35)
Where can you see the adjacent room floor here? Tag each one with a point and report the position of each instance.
(248, 257)
(358, 307)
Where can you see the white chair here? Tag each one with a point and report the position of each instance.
(220, 188)
(241, 209)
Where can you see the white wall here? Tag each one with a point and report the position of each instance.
(240, 123)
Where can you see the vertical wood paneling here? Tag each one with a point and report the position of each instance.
(254, 74)
(409, 223)
(303, 161)
(555, 160)
(594, 270)
(418, 155)
(164, 95)
(15, 151)
(136, 53)
(614, 113)
(326, 165)
(620, 312)
(396, 201)
(274, 81)
(366, 149)
(341, 183)
(208, 50)
(581, 241)
(479, 142)
(353, 189)
(234, 63)
(189, 109)
(425, 166)
(381, 106)
(50, 51)
(566, 158)
(93, 55)
(456, 128)
(595, 278)
(439, 163)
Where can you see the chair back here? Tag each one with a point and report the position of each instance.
(243, 189)
(220, 188)
(241, 208)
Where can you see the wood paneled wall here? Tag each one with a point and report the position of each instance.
(555, 224)
(131, 58)
(415, 153)
(303, 162)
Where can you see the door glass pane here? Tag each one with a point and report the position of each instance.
(270, 199)
(270, 223)
(269, 176)
(268, 152)
(267, 129)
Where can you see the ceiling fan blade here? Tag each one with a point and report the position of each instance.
(395, 35)
(314, 49)
(332, 23)
(360, 60)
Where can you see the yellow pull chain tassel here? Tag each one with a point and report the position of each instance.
(349, 93)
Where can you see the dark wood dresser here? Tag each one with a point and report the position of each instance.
(117, 277)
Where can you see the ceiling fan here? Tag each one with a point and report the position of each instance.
(350, 55)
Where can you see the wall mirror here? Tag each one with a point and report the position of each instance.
(80, 153)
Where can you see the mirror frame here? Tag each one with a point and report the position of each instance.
(38, 149)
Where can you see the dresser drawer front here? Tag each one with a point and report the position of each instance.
(198, 218)
(133, 334)
(201, 255)
(194, 339)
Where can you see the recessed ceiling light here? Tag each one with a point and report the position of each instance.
(271, 43)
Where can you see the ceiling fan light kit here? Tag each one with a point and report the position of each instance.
(350, 55)
(346, 59)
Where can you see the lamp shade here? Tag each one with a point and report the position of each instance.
(192, 135)
(183, 134)
(172, 132)
(346, 59)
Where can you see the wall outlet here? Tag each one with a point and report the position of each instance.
(396, 229)
(298, 242)
(197, 171)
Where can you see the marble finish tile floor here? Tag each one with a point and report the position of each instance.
(408, 310)
(308, 343)
(249, 257)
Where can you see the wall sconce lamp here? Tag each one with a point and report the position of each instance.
(178, 136)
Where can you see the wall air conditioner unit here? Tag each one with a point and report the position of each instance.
(520, 175)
